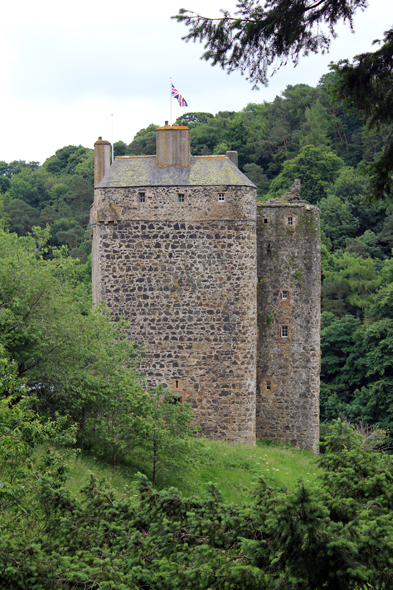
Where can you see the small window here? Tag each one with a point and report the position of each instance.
(260, 279)
(284, 294)
(181, 198)
(176, 385)
(284, 331)
(265, 220)
(142, 198)
(290, 220)
(221, 197)
(268, 385)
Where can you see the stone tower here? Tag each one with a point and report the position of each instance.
(288, 360)
(174, 252)
(225, 297)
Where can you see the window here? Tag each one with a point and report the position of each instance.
(142, 198)
(268, 385)
(221, 197)
(284, 294)
(284, 331)
(176, 386)
(290, 220)
(181, 198)
(265, 220)
(260, 279)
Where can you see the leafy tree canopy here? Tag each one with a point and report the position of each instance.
(315, 167)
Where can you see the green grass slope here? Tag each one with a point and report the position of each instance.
(234, 469)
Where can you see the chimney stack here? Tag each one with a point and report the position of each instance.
(232, 156)
(173, 145)
(102, 159)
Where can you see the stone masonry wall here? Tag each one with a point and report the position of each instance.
(184, 276)
(288, 297)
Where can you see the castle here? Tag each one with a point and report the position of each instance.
(225, 294)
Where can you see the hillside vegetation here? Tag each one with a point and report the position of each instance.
(234, 469)
(165, 508)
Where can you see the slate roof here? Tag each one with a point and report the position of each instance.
(143, 171)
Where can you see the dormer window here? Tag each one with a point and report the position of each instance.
(142, 197)
(181, 197)
(221, 197)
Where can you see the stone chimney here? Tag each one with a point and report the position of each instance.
(232, 156)
(173, 146)
(102, 159)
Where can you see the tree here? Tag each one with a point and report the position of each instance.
(21, 216)
(365, 86)
(259, 37)
(166, 437)
(65, 349)
(316, 169)
(350, 286)
(337, 221)
(316, 127)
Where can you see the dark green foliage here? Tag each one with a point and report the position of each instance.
(365, 86)
(334, 533)
(316, 169)
(259, 36)
(58, 193)
(144, 142)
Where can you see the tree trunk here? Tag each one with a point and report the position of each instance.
(154, 462)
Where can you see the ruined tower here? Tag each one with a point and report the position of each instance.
(288, 361)
(225, 297)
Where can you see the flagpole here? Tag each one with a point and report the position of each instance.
(112, 138)
(170, 102)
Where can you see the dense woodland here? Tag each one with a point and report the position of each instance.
(69, 380)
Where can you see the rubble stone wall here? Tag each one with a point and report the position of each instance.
(287, 395)
(184, 276)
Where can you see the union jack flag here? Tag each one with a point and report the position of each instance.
(180, 99)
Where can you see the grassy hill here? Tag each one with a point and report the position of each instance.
(233, 468)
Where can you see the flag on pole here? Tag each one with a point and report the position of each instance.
(180, 99)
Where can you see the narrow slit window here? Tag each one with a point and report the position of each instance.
(142, 197)
(290, 220)
(284, 331)
(177, 384)
(181, 198)
(268, 385)
(284, 294)
(221, 197)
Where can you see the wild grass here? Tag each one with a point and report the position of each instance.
(234, 469)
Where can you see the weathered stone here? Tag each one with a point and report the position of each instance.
(183, 271)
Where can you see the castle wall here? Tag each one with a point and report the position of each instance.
(184, 276)
(287, 400)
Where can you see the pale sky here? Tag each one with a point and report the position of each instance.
(66, 67)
